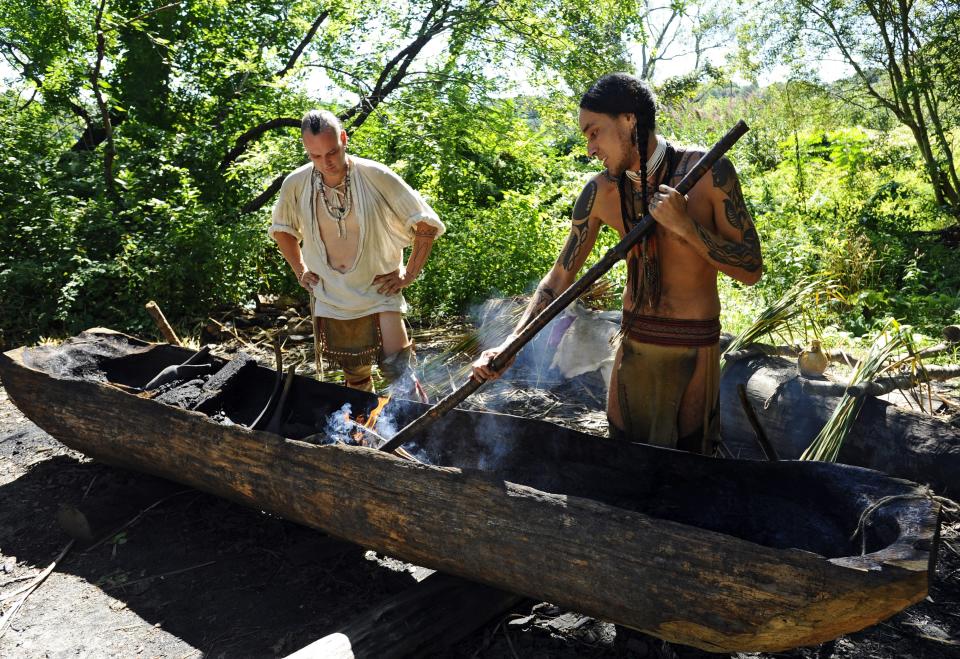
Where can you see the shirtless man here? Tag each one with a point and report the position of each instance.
(353, 218)
(664, 389)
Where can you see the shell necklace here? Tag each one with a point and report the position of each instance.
(338, 213)
(653, 162)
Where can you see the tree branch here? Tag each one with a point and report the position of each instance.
(253, 134)
(302, 45)
(110, 152)
(258, 202)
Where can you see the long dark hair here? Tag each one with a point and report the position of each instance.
(621, 93)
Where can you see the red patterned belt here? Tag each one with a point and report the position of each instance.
(671, 331)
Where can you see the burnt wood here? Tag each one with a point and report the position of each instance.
(725, 555)
(426, 618)
(904, 444)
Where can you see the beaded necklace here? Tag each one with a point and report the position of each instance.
(339, 213)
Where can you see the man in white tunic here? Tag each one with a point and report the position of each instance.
(341, 223)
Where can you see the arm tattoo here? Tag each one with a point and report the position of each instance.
(580, 228)
(542, 298)
(578, 236)
(725, 179)
(581, 210)
(744, 255)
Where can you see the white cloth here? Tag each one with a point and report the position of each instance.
(387, 210)
(585, 345)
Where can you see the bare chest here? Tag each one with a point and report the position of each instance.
(339, 229)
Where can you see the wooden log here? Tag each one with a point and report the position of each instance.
(885, 385)
(882, 385)
(770, 350)
(620, 531)
(901, 443)
(426, 618)
(168, 334)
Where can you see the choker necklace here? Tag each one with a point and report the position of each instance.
(339, 213)
(653, 162)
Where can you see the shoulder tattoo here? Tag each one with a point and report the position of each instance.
(735, 207)
(581, 210)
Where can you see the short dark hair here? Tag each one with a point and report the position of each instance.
(621, 93)
(317, 121)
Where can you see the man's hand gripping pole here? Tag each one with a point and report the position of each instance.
(600, 268)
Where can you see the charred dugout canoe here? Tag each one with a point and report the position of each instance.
(725, 555)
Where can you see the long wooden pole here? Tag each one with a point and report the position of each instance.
(600, 268)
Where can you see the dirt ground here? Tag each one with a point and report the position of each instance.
(198, 576)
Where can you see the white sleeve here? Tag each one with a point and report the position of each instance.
(406, 203)
(286, 214)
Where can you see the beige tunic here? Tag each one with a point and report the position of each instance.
(387, 210)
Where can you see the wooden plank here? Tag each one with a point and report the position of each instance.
(425, 618)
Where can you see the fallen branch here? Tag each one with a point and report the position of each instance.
(167, 574)
(882, 385)
(885, 385)
(134, 520)
(154, 310)
(758, 430)
(30, 588)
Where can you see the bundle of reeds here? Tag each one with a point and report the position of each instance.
(891, 342)
(781, 315)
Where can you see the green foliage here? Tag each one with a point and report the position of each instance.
(838, 189)
(502, 188)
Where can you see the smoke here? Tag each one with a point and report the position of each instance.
(490, 434)
(340, 427)
(575, 343)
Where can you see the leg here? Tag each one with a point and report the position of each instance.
(359, 377)
(394, 332)
(651, 380)
(614, 415)
(399, 358)
(699, 408)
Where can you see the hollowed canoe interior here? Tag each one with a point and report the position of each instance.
(808, 506)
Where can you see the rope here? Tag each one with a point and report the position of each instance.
(950, 506)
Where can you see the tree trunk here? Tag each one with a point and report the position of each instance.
(904, 444)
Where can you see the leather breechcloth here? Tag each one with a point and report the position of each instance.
(664, 362)
(356, 345)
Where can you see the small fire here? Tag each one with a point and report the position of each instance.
(372, 419)
(368, 421)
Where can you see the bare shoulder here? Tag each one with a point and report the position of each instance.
(594, 197)
(686, 158)
(583, 207)
(724, 175)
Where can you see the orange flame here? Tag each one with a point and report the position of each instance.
(375, 412)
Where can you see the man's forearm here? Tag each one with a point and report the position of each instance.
(542, 297)
(290, 248)
(550, 287)
(423, 238)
